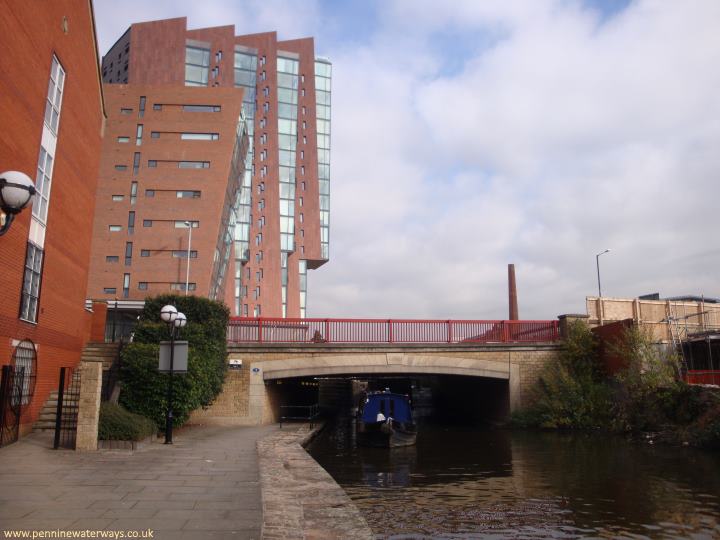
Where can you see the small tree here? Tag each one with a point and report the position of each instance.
(144, 389)
(571, 391)
(648, 389)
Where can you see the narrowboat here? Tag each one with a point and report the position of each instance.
(386, 421)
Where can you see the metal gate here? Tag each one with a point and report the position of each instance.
(67, 408)
(11, 403)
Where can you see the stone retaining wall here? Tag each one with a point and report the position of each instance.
(299, 498)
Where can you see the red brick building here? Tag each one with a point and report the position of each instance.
(171, 158)
(51, 105)
(280, 219)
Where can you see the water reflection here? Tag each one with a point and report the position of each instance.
(471, 483)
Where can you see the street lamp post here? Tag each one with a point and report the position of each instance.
(175, 320)
(16, 193)
(597, 262)
(187, 274)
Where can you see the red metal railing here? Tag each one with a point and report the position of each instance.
(263, 330)
(708, 376)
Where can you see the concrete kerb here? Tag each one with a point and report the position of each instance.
(299, 498)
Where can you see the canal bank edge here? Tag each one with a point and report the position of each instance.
(299, 498)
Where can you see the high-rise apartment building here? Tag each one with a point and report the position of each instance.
(280, 215)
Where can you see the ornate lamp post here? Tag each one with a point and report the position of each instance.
(175, 320)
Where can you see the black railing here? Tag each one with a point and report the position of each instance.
(67, 408)
(299, 413)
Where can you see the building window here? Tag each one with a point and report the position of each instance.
(128, 253)
(149, 192)
(138, 135)
(180, 224)
(112, 259)
(110, 290)
(182, 254)
(147, 222)
(193, 164)
(121, 167)
(117, 198)
(144, 252)
(199, 136)
(187, 194)
(136, 163)
(43, 181)
(125, 111)
(123, 139)
(115, 228)
(157, 106)
(197, 62)
(142, 285)
(154, 134)
(54, 95)
(201, 108)
(133, 192)
(181, 286)
(126, 285)
(31, 283)
(141, 110)
(152, 163)
(131, 222)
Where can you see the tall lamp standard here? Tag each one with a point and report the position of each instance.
(187, 274)
(175, 320)
(597, 262)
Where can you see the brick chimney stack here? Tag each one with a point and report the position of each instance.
(512, 293)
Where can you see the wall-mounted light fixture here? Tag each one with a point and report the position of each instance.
(16, 192)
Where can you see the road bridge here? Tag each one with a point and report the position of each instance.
(262, 353)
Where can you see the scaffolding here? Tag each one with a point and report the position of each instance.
(694, 344)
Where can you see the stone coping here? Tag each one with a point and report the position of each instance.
(299, 498)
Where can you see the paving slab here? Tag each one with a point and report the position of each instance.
(204, 486)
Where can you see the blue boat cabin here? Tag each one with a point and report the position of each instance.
(396, 406)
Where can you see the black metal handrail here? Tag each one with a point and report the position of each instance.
(301, 413)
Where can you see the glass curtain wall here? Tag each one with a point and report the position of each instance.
(246, 78)
(323, 75)
(197, 63)
(287, 83)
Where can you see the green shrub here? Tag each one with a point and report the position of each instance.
(571, 391)
(144, 389)
(574, 392)
(117, 424)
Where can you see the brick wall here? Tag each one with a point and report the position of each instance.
(30, 33)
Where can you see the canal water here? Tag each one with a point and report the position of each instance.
(469, 482)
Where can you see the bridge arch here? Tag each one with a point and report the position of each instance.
(246, 399)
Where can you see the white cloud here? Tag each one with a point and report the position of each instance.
(472, 135)
(568, 135)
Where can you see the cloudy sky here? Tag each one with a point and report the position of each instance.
(470, 134)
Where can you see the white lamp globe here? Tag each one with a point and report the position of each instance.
(16, 191)
(168, 313)
(181, 320)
